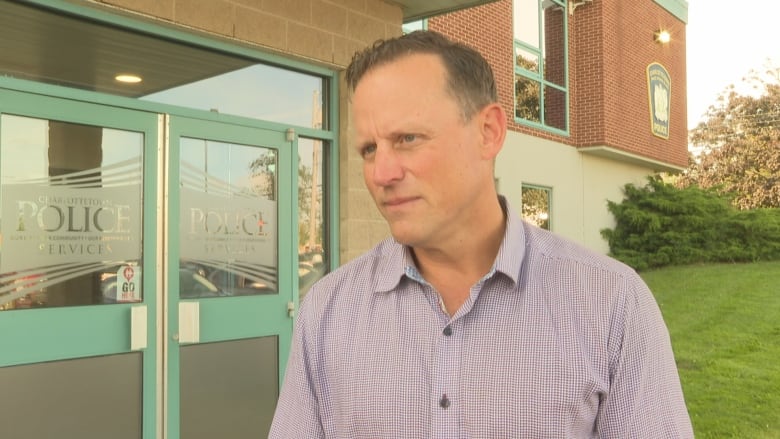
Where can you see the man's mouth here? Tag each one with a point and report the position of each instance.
(398, 201)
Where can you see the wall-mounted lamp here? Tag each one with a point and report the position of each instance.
(289, 135)
(662, 36)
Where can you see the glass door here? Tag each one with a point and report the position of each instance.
(78, 296)
(147, 281)
(231, 253)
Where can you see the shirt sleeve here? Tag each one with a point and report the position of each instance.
(297, 413)
(645, 397)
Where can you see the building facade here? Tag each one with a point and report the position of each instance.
(174, 174)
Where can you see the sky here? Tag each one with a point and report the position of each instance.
(725, 40)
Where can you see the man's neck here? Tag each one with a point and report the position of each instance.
(454, 268)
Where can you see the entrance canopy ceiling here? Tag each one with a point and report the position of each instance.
(40, 45)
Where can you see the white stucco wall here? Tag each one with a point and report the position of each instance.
(581, 184)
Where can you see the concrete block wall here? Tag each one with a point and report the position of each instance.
(325, 31)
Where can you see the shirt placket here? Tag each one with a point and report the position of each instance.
(445, 397)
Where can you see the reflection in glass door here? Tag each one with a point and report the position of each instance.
(232, 252)
(228, 205)
(71, 199)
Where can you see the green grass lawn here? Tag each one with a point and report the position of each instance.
(724, 322)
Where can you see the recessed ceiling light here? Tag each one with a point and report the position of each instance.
(128, 78)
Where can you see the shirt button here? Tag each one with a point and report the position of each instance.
(447, 330)
(444, 402)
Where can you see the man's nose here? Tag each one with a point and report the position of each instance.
(386, 166)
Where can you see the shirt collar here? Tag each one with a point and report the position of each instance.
(397, 260)
(512, 250)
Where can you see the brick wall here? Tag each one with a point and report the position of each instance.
(487, 28)
(626, 32)
(610, 45)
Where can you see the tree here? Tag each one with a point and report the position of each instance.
(527, 92)
(263, 170)
(536, 206)
(740, 144)
(304, 201)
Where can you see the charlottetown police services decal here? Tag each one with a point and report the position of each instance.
(659, 91)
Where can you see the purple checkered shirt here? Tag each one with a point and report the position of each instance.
(555, 341)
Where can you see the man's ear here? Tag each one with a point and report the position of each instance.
(493, 130)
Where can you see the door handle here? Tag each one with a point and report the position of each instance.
(138, 331)
(189, 322)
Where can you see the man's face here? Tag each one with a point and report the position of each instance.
(422, 162)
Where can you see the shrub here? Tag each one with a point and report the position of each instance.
(660, 224)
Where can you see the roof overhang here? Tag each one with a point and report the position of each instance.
(419, 9)
(626, 157)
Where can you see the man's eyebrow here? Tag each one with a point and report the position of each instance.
(392, 135)
(395, 134)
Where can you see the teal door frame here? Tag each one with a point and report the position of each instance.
(49, 334)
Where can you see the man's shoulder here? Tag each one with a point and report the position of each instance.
(568, 272)
(368, 264)
(551, 247)
(360, 274)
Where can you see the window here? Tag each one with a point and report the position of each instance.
(227, 192)
(71, 198)
(541, 79)
(258, 91)
(536, 205)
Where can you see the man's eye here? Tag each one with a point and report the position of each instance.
(368, 151)
(408, 138)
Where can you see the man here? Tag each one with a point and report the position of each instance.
(467, 323)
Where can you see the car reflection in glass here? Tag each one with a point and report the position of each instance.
(192, 285)
(38, 298)
(197, 281)
(239, 285)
